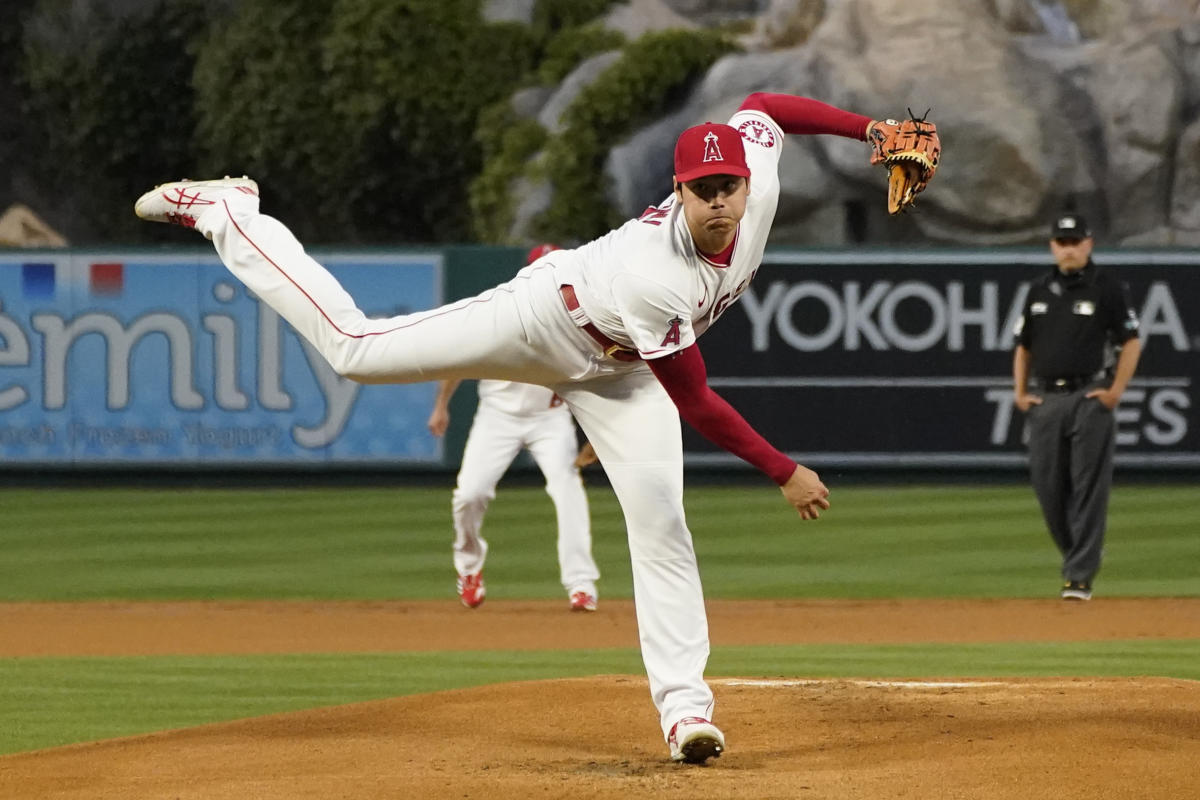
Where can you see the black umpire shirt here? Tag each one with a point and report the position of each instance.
(1069, 320)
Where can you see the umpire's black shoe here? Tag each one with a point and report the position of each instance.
(1076, 590)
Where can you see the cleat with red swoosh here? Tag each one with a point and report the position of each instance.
(182, 202)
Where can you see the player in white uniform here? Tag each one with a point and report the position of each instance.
(512, 416)
(610, 326)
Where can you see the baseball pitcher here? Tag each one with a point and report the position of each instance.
(612, 327)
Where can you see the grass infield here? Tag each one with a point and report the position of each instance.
(121, 544)
(125, 544)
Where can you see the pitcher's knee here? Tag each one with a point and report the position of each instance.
(346, 359)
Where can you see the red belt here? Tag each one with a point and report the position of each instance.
(611, 349)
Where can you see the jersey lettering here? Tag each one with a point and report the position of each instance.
(726, 299)
(673, 334)
(654, 215)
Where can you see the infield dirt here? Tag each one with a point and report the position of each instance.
(598, 737)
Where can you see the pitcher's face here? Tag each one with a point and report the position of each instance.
(714, 204)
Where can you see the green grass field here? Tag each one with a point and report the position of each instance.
(80, 545)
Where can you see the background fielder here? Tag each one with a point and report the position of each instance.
(512, 416)
(611, 327)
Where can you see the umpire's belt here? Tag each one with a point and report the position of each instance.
(611, 349)
(1070, 383)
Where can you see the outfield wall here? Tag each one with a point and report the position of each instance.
(904, 359)
(854, 359)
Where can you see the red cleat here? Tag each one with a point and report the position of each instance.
(471, 589)
(582, 601)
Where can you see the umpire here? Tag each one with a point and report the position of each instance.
(1064, 379)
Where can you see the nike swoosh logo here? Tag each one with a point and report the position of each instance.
(702, 299)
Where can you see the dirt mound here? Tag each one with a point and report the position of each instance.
(596, 738)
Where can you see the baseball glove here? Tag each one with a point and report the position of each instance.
(910, 150)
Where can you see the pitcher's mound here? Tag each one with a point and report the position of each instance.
(597, 738)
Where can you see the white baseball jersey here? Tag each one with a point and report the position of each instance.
(644, 285)
(636, 281)
(518, 399)
(514, 416)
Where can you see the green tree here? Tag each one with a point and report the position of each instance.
(262, 110)
(14, 139)
(408, 80)
(550, 16)
(110, 106)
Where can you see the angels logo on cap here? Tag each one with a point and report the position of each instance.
(712, 149)
(709, 149)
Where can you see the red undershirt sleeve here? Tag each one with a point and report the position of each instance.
(685, 378)
(801, 115)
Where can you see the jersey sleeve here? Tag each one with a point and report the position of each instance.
(762, 139)
(656, 317)
(1020, 331)
(1122, 319)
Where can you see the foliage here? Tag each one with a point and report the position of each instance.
(358, 115)
(567, 50)
(408, 79)
(261, 108)
(507, 143)
(14, 141)
(364, 120)
(110, 104)
(652, 74)
(550, 16)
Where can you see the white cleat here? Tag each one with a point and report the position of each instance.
(182, 202)
(694, 740)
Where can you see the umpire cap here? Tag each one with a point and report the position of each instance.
(1070, 226)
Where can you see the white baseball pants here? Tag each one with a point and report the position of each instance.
(517, 331)
(495, 439)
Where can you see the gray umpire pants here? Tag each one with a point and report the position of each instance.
(1071, 440)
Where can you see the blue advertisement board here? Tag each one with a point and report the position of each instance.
(143, 359)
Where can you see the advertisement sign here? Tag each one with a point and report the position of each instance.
(905, 359)
(139, 358)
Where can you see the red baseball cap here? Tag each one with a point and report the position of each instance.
(539, 251)
(709, 149)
